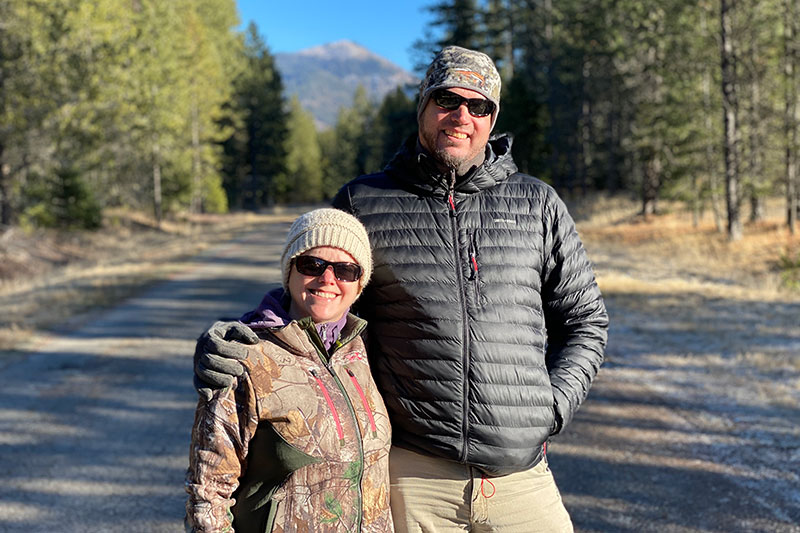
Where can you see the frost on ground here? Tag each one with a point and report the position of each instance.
(694, 421)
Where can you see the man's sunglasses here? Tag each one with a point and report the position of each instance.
(477, 107)
(308, 265)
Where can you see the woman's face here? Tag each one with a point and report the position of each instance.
(324, 298)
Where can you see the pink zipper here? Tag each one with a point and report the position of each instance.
(364, 401)
(339, 430)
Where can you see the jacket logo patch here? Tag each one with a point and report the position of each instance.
(477, 78)
(354, 356)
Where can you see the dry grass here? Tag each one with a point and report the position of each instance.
(666, 253)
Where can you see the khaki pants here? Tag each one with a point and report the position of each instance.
(431, 495)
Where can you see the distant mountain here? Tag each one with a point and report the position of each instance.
(325, 77)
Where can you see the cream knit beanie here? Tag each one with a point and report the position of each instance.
(327, 227)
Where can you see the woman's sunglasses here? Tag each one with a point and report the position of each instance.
(477, 107)
(308, 265)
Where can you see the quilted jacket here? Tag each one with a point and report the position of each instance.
(486, 325)
(301, 443)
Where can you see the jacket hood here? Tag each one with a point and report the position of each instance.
(416, 168)
(272, 312)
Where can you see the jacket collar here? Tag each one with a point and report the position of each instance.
(415, 167)
(272, 313)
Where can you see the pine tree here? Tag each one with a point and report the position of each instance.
(456, 22)
(302, 180)
(214, 58)
(255, 153)
(346, 148)
(394, 122)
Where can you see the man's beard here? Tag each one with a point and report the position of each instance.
(461, 165)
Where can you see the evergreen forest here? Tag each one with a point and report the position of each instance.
(169, 107)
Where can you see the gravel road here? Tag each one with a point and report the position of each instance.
(692, 426)
(95, 420)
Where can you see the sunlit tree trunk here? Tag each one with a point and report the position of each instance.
(729, 105)
(755, 166)
(791, 119)
(755, 156)
(5, 192)
(708, 125)
(585, 157)
(651, 183)
(652, 154)
(197, 162)
(157, 210)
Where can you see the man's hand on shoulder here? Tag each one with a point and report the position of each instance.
(218, 355)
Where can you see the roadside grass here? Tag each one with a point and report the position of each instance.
(667, 252)
(790, 269)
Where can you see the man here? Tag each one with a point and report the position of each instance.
(486, 326)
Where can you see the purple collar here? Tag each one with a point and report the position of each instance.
(329, 331)
(273, 312)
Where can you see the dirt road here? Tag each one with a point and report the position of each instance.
(692, 426)
(95, 422)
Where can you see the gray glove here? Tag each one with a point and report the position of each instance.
(218, 356)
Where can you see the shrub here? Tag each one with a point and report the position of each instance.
(789, 266)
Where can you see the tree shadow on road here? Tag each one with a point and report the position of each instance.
(692, 424)
(92, 442)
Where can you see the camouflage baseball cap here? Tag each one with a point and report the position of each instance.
(460, 67)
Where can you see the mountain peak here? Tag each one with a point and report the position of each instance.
(344, 47)
(325, 77)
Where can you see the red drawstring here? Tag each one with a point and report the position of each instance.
(494, 489)
(364, 402)
(339, 429)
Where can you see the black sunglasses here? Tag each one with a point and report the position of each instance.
(477, 107)
(308, 265)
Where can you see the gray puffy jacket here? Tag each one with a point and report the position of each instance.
(486, 326)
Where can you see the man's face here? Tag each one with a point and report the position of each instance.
(454, 137)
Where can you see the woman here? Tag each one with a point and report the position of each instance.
(301, 442)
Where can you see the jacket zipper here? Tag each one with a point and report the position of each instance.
(359, 440)
(339, 429)
(323, 355)
(464, 325)
(363, 401)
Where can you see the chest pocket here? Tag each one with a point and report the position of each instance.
(472, 270)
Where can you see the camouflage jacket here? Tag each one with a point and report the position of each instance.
(301, 443)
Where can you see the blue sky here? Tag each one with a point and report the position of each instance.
(388, 29)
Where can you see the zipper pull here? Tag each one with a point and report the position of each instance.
(474, 262)
(451, 191)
